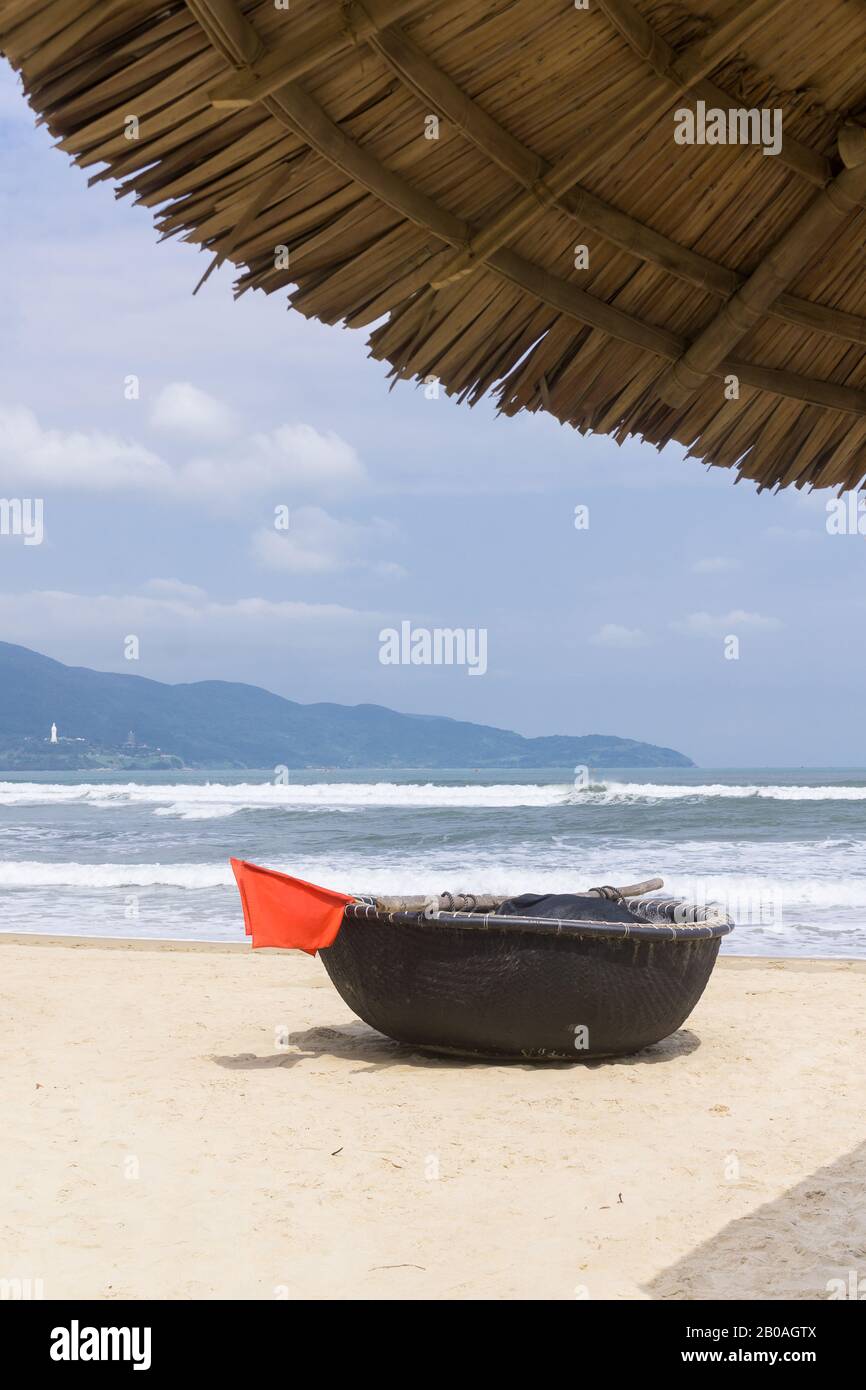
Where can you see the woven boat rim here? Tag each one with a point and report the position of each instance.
(544, 926)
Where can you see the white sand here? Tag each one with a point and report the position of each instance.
(159, 1141)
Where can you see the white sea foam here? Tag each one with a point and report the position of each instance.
(414, 877)
(618, 793)
(30, 874)
(217, 800)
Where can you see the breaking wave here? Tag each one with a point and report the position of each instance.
(361, 876)
(218, 800)
(620, 793)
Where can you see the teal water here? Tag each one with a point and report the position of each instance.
(783, 850)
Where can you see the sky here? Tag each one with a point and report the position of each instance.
(170, 438)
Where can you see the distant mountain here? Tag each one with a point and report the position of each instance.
(221, 724)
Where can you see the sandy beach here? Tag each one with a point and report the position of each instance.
(201, 1122)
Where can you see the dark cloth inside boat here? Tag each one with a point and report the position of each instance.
(565, 907)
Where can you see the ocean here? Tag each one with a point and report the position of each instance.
(783, 851)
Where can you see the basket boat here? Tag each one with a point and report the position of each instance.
(452, 976)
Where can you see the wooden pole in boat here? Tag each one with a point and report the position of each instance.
(632, 890)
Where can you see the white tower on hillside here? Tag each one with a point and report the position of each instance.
(53, 733)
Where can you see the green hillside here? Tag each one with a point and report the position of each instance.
(222, 724)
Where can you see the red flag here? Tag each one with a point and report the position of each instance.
(286, 912)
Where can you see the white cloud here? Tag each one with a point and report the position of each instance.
(300, 457)
(709, 624)
(318, 543)
(33, 457)
(182, 409)
(614, 635)
(289, 460)
(162, 616)
(714, 564)
(174, 588)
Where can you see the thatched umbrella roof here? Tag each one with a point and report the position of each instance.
(723, 304)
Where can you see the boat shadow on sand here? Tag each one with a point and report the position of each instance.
(356, 1042)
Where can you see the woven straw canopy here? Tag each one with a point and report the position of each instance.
(434, 168)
